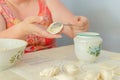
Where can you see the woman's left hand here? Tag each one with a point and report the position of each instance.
(81, 24)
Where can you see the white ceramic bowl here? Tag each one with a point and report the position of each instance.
(11, 51)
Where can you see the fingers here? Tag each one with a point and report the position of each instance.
(53, 36)
(34, 19)
(81, 19)
(42, 20)
(48, 35)
(81, 23)
(39, 31)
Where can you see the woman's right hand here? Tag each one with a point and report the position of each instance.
(32, 25)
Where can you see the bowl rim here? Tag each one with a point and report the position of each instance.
(25, 43)
(88, 34)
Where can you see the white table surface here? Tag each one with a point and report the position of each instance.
(31, 64)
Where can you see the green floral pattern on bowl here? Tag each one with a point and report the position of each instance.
(16, 57)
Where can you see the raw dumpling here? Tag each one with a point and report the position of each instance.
(91, 75)
(99, 75)
(64, 77)
(55, 28)
(71, 69)
(50, 72)
(106, 75)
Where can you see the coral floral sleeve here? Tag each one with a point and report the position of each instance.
(35, 43)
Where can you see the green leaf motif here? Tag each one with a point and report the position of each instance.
(16, 57)
(95, 50)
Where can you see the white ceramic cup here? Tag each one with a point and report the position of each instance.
(87, 46)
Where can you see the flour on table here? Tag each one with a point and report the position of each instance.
(64, 77)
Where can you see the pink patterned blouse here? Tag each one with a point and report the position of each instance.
(35, 43)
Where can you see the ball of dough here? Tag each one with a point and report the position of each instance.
(92, 75)
(71, 69)
(55, 28)
(50, 72)
(106, 75)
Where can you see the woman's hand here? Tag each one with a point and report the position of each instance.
(32, 25)
(81, 24)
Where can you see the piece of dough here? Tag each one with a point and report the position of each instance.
(71, 69)
(106, 75)
(64, 77)
(99, 75)
(55, 28)
(50, 72)
(92, 75)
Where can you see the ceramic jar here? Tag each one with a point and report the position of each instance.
(87, 46)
